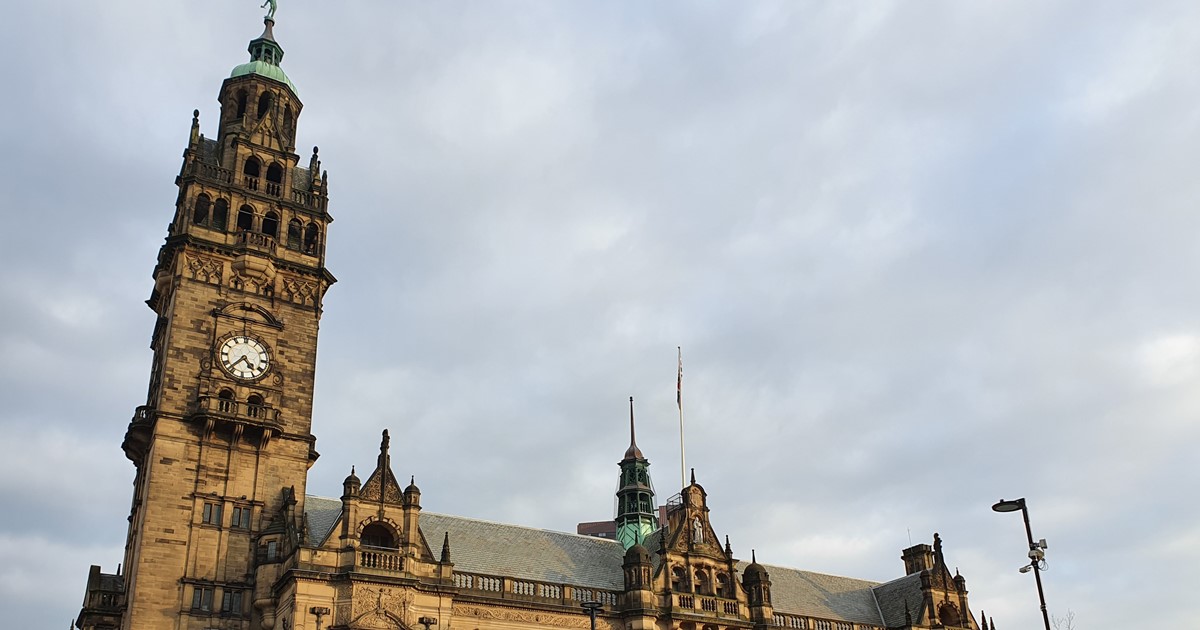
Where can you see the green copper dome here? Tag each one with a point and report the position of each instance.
(265, 55)
(263, 69)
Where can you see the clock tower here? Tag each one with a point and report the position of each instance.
(223, 444)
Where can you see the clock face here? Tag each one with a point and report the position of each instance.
(245, 358)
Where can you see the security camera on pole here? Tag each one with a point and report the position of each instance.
(1037, 550)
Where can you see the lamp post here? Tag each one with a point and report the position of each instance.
(591, 607)
(1036, 550)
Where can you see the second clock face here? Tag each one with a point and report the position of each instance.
(244, 357)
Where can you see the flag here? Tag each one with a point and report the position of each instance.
(679, 382)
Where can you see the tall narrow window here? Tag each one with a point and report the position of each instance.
(245, 220)
(288, 125)
(270, 224)
(274, 179)
(220, 215)
(264, 104)
(251, 171)
(312, 236)
(293, 234)
(200, 211)
(241, 103)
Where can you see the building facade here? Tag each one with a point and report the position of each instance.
(223, 533)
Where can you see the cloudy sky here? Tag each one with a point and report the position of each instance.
(919, 255)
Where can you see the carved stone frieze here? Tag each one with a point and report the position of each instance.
(203, 268)
(554, 620)
(299, 291)
(380, 607)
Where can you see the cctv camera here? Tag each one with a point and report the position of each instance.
(1026, 569)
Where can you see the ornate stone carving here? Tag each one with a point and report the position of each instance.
(203, 268)
(554, 620)
(299, 291)
(380, 607)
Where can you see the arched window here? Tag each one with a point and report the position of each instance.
(220, 215)
(287, 122)
(251, 170)
(274, 178)
(948, 614)
(245, 219)
(254, 406)
(678, 579)
(200, 211)
(241, 103)
(225, 402)
(270, 224)
(312, 238)
(293, 234)
(378, 535)
(264, 104)
(703, 585)
(723, 586)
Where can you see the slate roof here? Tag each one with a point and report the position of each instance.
(894, 594)
(523, 552)
(322, 514)
(478, 546)
(819, 595)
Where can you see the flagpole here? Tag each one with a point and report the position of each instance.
(679, 402)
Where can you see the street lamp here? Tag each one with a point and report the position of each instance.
(591, 607)
(1037, 550)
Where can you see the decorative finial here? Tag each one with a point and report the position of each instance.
(352, 469)
(753, 558)
(983, 616)
(446, 548)
(194, 138)
(385, 460)
(412, 480)
(633, 452)
(693, 476)
(728, 549)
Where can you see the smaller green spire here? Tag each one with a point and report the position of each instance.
(265, 56)
(636, 513)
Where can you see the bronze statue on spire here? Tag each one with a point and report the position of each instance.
(270, 12)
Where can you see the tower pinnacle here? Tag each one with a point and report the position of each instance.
(636, 517)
